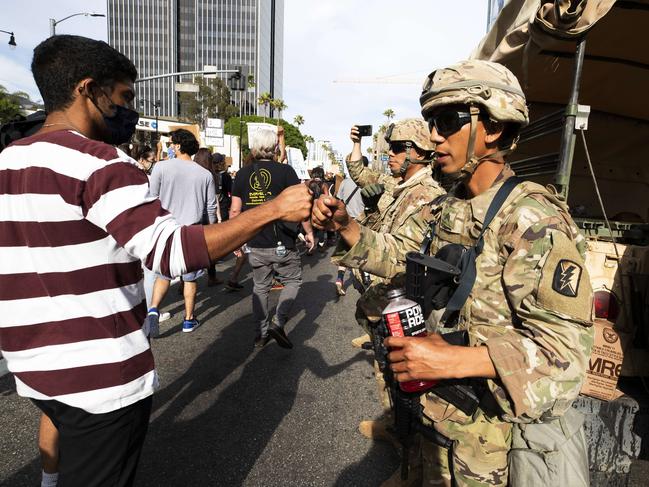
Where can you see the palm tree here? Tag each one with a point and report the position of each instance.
(308, 139)
(298, 120)
(389, 114)
(265, 100)
(279, 105)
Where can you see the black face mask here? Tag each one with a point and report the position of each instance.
(121, 125)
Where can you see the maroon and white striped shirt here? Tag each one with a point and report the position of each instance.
(75, 224)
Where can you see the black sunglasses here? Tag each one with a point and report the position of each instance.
(448, 122)
(398, 147)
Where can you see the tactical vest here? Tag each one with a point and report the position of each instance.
(459, 221)
(547, 453)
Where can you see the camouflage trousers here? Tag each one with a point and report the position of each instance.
(480, 445)
(384, 395)
(478, 456)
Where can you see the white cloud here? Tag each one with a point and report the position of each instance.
(324, 41)
(29, 20)
(14, 76)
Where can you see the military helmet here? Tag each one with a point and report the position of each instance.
(414, 130)
(475, 82)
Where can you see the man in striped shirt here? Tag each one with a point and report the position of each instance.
(75, 222)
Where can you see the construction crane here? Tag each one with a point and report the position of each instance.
(394, 79)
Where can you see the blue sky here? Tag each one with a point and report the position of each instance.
(324, 40)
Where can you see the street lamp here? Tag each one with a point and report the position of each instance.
(12, 39)
(54, 23)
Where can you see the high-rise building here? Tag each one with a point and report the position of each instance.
(166, 36)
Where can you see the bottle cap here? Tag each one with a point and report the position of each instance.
(396, 293)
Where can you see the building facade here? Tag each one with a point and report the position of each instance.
(166, 36)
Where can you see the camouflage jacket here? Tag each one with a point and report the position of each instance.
(381, 250)
(531, 302)
(364, 176)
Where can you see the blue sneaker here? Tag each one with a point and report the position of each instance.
(151, 323)
(190, 325)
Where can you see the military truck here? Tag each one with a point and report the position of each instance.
(584, 67)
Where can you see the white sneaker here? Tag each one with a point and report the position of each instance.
(164, 316)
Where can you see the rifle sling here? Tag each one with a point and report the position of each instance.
(469, 273)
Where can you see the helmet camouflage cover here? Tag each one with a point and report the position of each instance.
(475, 82)
(414, 130)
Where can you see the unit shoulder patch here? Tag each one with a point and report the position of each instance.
(565, 287)
(566, 278)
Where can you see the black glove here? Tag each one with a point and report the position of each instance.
(371, 195)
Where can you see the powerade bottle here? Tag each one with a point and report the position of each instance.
(404, 317)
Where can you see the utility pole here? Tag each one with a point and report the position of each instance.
(238, 81)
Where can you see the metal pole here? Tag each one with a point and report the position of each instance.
(181, 73)
(157, 113)
(240, 129)
(52, 27)
(566, 153)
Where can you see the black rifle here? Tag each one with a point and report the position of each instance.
(441, 282)
(406, 406)
(430, 282)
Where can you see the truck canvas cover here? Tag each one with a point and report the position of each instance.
(536, 39)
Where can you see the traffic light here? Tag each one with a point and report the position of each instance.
(238, 81)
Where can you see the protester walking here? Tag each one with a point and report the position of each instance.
(187, 190)
(273, 249)
(70, 278)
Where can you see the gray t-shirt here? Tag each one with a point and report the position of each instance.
(185, 189)
(355, 206)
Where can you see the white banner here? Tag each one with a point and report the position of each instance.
(214, 141)
(213, 132)
(254, 127)
(297, 162)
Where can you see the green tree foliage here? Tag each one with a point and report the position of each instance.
(298, 120)
(9, 106)
(265, 100)
(213, 100)
(291, 133)
(278, 107)
(389, 114)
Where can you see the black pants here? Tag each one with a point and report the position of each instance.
(98, 449)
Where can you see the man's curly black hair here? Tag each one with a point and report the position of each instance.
(188, 143)
(60, 62)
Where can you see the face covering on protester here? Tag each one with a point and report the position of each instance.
(121, 125)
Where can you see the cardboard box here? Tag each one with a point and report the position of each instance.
(605, 363)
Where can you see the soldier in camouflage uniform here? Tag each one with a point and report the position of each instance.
(529, 312)
(398, 230)
(410, 151)
(381, 188)
(363, 176)
(376, 191)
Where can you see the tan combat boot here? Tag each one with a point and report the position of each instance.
(358, 342)
(379, 429)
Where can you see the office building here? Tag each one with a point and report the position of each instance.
(165, 36)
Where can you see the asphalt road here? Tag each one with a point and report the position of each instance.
(226, 415)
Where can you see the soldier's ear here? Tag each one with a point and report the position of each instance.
(493, 131)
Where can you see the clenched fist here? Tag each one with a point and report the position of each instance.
(293, 204)
(329, 213)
